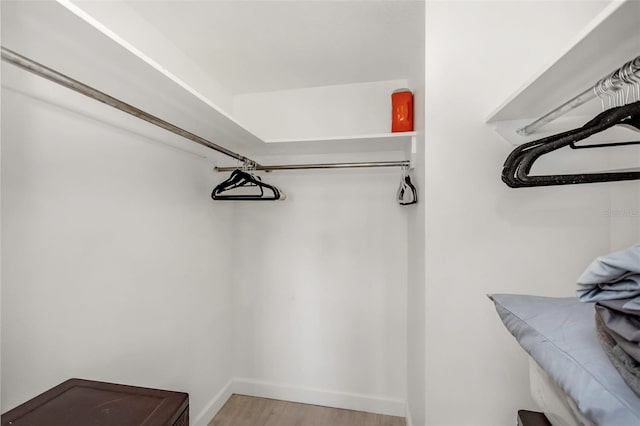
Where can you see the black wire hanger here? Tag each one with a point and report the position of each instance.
(516, 169)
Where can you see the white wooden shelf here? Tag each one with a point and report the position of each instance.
(71, 40)
(609, 41)
(383, 142)
(93, 56)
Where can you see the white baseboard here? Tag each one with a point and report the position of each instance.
(336, 399)
(211, 409)
(407, 415)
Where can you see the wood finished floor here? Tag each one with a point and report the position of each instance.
(241, 410)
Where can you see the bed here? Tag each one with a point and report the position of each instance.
(572, 379)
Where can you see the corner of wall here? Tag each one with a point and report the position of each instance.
(211, 409)
(407, 416)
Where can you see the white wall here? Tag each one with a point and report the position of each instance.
(316, 112)
(483, 237)
(624, 208)
(416, 345)
(114, 262)
(416, 265)
(320, 289)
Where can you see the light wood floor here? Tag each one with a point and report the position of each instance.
(241, 410)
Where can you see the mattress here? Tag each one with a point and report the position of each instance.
(556, 405)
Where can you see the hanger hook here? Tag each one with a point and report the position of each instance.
(626, 80)
(248, 165)
(598, 92)
(609, 90)
(634, 78)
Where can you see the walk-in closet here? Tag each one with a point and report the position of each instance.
(214, 214)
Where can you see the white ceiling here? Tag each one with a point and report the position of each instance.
(255, 46)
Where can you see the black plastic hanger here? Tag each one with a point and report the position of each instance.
(515, 172)
(242, 179)
(407, 193)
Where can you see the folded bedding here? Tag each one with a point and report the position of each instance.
(560, 335)
(622, 324)
(613, 282)
(627, 366)
(595, 362)
(611, 277)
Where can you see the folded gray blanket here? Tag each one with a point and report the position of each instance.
(627, 366)
(622, 324)
(611, 277)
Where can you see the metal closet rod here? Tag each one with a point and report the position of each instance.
(578, 100)
(68, 82)
(404, 163)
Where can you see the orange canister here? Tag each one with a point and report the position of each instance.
(402, 111)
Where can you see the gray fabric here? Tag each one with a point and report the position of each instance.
(614, 276)
(623, 325)
(559, 334)
(628, 367)
(620, 305)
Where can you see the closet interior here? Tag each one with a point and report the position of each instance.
(118, 265)
(578, 122)
(364, 288)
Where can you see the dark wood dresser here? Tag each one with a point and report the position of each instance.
(85, 402)
(532, 418)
